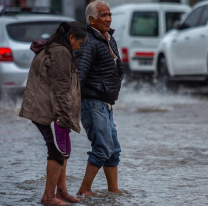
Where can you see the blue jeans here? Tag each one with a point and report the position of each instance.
(98, 123)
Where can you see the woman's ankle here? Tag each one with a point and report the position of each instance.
(61, 191)
(48, 196)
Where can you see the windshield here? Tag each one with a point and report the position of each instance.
(171, 17)
(144, 24)
(29, 31)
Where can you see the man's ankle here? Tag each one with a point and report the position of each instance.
(86, 187)
(85, 192)
(114, 190)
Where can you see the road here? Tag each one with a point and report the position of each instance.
(164, 159)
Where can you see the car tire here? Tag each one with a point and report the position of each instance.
(163, 82)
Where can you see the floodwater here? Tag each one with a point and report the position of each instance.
(164, 159)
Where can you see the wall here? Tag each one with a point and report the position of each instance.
(192, 2)
(113, 3)
(67, 5)
(45, 3)
(185, 1)
(79, 10)
(68, 8)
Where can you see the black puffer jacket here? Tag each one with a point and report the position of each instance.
(100, 78)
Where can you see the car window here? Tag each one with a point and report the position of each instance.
(144, 24)
(171, 17)
(204, 17)
(29, 31)
(193, 18)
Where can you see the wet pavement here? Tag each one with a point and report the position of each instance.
(164, 159)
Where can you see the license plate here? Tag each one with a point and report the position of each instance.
(145, 62)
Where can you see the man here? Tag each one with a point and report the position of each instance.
(100, 73)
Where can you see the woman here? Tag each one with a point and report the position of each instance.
(52, 98)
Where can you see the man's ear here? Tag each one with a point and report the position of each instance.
(91, 19)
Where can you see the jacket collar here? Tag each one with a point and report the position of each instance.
(97, 34)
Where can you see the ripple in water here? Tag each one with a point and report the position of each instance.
(104, 197)
(32, 184)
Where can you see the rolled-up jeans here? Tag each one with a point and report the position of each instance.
(97, 120)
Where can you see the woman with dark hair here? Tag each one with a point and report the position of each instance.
(52, 101)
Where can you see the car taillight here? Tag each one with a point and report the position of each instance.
(5, 55)
(125, 57)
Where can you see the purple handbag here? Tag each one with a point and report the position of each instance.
(61, 139)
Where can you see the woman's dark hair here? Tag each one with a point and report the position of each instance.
(62, 33)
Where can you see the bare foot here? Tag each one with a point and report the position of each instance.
(65, 196)
(86, 193)
(53, 202)
(116, 191)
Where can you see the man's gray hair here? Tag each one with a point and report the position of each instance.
(92, 10)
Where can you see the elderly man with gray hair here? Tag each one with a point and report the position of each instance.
(100, 72)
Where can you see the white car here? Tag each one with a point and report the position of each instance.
(18, 28)
(138, 29)
(182, 55)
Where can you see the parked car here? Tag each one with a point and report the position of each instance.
(138, 29)
(182, 55)
(18, 28)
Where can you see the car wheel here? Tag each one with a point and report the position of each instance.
(163, 82)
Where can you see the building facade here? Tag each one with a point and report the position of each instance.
(76, 8)
(113, 3)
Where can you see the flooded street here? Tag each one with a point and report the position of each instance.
(164, 158)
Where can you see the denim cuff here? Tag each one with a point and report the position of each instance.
(111, 163)
(97, 163)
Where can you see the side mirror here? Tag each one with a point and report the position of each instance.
(177, 25)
